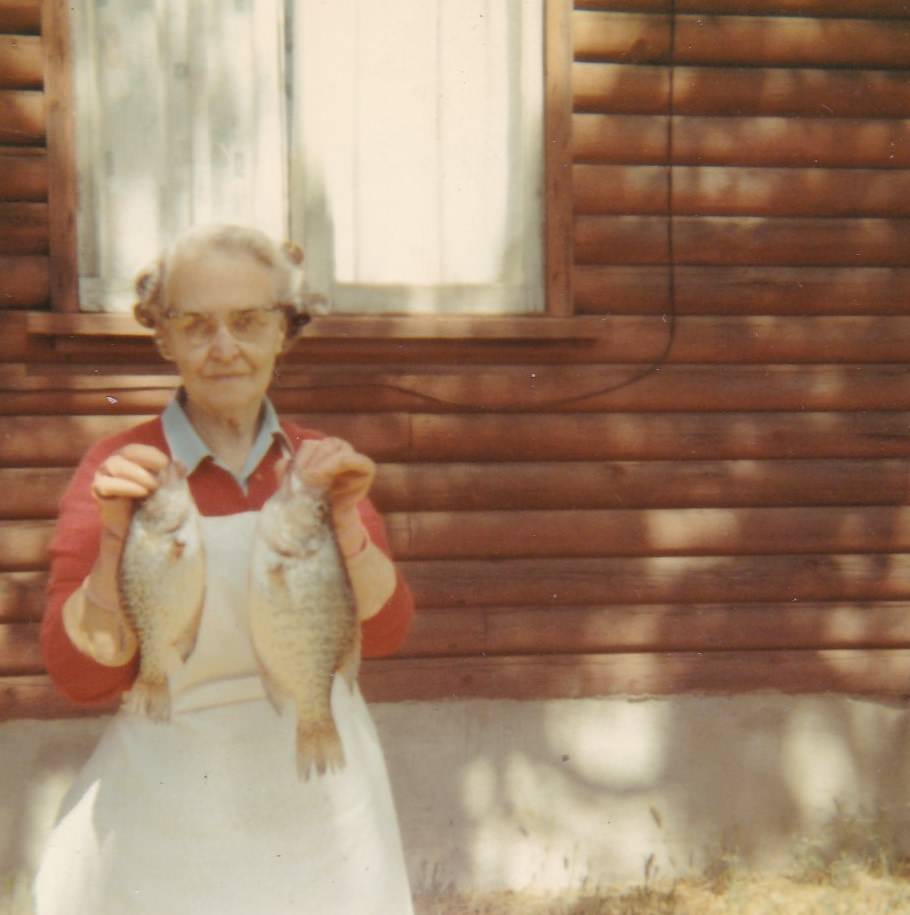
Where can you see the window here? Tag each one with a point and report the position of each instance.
(400, 142)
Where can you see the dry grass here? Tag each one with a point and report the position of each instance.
(865, 895)
(856, 870)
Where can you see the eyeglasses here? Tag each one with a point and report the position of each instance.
(246, 325)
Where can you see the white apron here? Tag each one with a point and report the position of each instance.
(206, 813)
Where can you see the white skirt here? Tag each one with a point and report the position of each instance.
(206, 813)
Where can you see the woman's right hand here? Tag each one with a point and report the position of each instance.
(93, 617)
(122, 478)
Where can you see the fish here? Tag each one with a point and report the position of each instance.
(162, 588)
(303, 617)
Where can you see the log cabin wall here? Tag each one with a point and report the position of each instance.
(698, 482)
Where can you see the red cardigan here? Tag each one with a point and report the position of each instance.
(76, 541)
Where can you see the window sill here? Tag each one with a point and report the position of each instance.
(351, 327)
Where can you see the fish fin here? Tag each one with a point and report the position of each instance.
(186, 642)
(349, 666)
(177, 548)
(318, 746)
(275, 694)
(151, 698)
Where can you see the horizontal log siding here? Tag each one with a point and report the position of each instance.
(24, 270)
(787, 129)
(708, 494)
(709, 527)
(20, 17)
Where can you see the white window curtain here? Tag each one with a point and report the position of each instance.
(400, 141)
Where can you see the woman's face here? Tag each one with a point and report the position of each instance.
(221, 331)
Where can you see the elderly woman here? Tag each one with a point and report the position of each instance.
(206, 812)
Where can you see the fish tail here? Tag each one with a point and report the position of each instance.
(319, 746)
(349, 667)
(151, 698)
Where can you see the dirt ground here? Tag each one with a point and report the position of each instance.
(861, 894)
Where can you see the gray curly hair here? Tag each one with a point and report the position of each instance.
(284, 262)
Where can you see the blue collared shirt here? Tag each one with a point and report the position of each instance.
(187, 447)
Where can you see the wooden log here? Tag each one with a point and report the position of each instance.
(590, 630)
(742, 290)
(881, 673)
(13, 338)
(398, 328)
(24, 545)
(24, 282)
(592, 533)
(627, 37)
(656, 628)
(21, 62)
(636, 535)
(681, 580)
(630, 484)
(793, 242)
(522, 389)
(56, 441)
(755, 141)
(792, 41)
(623, 239)
(711, 191)
(605, 88)
(34, 493)
(525, 389)
(556, 583)
(622, 339)
(34, 696)
(23, 177)
(20, 652)
(74, 378)
(887, 9)
(802, 92)
(109, 401)
(30, 494)
(737, 40)
(60, 441)
(20, 16)
(21, 117)
(661, 436)
(748, 241)
(737, 91)
(23, 228)
(22, 596)
(624, 189)
(700, 627)
(579, 630)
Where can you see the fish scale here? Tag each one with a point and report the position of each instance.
(162, 586)
(303, 617)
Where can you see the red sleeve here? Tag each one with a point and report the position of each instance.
(384, 633)
(73, 551)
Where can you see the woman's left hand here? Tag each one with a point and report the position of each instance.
(347, 476)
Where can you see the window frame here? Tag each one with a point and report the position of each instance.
(557, 212)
